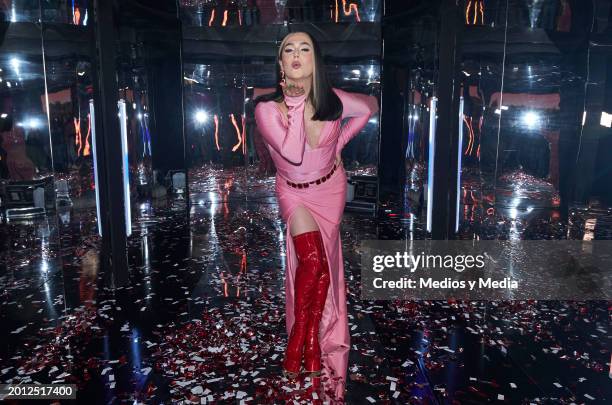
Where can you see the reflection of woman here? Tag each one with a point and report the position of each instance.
(300, 123)
(20, 167)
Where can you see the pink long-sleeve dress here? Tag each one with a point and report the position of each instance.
(298, 162)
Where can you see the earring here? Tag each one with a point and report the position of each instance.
(283, 77)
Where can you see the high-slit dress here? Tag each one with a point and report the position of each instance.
(298, 162)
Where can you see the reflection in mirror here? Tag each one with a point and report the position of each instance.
(29, 232)
(528, 132)
(481, 77)
(74, 12)
(149, 81)
(360, 155)
(213, 13)
(411, 69)
(133, 89)
(69, 91)
(530, 156)
(26, 159)
(215, 123)
(69, 80)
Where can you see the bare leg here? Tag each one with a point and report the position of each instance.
(302, 221)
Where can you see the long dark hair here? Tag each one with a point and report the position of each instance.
(326, 103)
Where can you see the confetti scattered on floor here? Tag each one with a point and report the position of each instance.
(203, 317)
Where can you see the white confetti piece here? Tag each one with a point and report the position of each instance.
(557, 385)
(587, 396)
(184, 383)
(512, 385)
(500, 397)
(19, 330)
(371, 400)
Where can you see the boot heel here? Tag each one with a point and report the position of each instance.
(290, 375)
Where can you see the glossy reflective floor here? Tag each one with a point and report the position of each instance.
(203, 317)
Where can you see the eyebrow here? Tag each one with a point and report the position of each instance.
(292, 43)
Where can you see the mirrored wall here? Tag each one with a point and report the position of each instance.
(47, 188)
(213, 13)
(533, 128)
(525, 71)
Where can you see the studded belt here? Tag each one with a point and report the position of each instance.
(317, 181)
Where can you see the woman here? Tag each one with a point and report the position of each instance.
(20, 166)
(301, 125)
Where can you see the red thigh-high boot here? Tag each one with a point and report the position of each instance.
(312, 350)
(306, 276)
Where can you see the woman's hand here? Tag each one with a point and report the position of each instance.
(292, 90)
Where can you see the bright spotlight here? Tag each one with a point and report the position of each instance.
(30, 123)
(201, 116)
(15, 64)
(531, 119)
(33, 123)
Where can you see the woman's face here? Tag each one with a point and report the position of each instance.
(297, 57)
